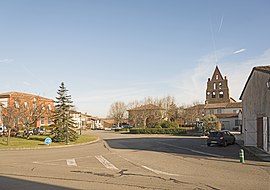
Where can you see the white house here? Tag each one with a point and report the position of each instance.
(256, 108)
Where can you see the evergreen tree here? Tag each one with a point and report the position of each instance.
(63, 121)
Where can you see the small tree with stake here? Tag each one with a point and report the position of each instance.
(63, 120)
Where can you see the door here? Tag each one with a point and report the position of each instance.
(260, 132)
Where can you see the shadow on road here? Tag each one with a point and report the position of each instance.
(184, 146)
(18, 184)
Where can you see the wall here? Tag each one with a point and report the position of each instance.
(256, 101)
(231, 123)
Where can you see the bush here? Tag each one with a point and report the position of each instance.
(175, 131)
(210, 123)
(167, 124)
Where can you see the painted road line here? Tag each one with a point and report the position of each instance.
(106, 163)
(71, 162)
(159, 172)
(191, 150)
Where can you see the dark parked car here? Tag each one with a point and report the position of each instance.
(127, 126)
(223, 138)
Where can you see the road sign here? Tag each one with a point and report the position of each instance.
(48, 141)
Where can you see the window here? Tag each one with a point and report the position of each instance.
(234, 111)
(220, 85)
(221, 94)
(238, 122)
(16, 104)
(219, 111)
(42, 121)
(49, 121)
(213, 95)
(208, 93)
(215, 86)
(216, 77)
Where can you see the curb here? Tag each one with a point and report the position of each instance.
(50, 147)
(253, 153)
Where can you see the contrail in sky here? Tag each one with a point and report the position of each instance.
(221, 23)
(239, 51)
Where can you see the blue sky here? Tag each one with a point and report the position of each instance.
(124, 50)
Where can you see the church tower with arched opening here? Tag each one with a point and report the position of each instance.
(217, 89)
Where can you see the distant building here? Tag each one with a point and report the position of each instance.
(80, 119)
(19, 108)
(145, 115)
(219, 103)
(108, 123)
(256, 108)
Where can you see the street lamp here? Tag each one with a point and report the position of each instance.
(80, 124)
(66, 123)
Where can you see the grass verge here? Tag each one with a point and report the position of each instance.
(37, 141)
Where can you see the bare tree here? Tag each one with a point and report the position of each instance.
(194, 112)
(118, 112)
(24, 112)
(31, 111)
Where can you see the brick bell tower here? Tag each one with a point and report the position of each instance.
(217, 89)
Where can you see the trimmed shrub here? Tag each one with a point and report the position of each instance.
(167, 124)
(175, 131)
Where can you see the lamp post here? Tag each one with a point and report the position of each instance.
(66, 123)
(80, 124)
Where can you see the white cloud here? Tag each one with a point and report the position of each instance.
(6, 60)
(192, 85)
(26, 83)
(239, 51)
(238, 73)
(187, 87)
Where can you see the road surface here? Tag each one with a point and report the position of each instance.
(125, 161)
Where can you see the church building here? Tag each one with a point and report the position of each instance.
(219, 102)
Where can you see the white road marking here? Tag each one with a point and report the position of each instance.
(159, 172)
(71, 162)
(196, 151)
(106, 163)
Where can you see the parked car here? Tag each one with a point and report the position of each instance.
(3, 130)
(223, 138)
(115, 127)
(30, 132)
(126, 126)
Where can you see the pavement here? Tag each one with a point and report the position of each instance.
(257, 152)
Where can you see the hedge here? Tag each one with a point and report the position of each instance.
(175, 131)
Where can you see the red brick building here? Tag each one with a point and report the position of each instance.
(20, 109)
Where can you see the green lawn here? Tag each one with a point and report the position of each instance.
(37, 141)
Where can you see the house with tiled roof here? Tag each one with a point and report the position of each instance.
(18, 107)
(146, 115)
(256, 108)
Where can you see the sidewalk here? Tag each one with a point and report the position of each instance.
(260, 154)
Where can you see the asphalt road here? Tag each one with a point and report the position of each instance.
(124, 161)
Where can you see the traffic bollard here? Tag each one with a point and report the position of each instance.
(242, 156)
